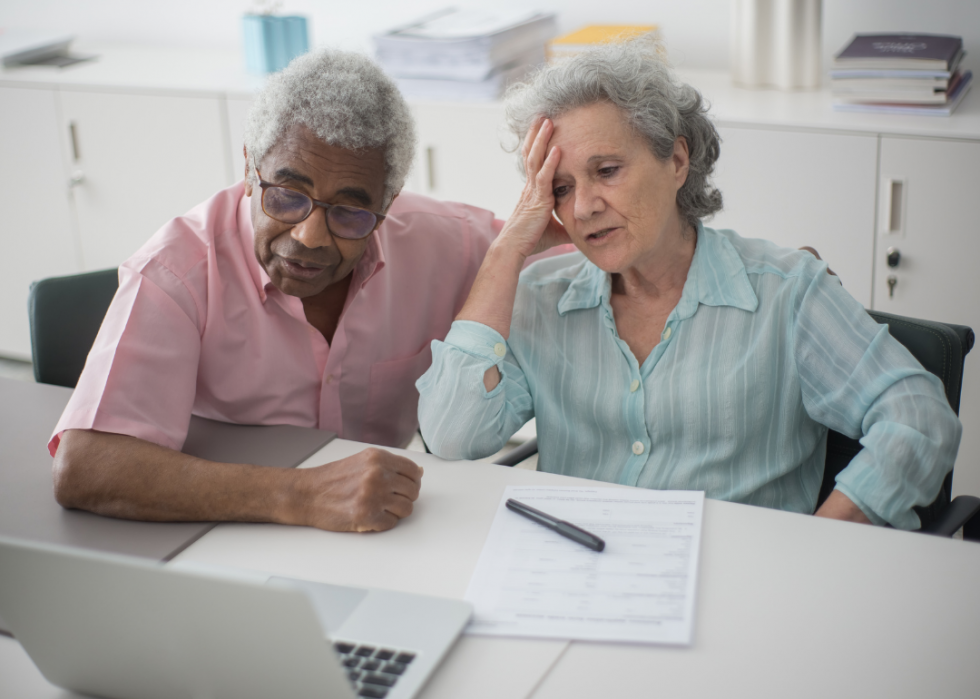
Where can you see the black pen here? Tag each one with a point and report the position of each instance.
(567, 530)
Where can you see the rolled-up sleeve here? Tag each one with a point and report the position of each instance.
(141, 374)
(459, 418)
(857, 379)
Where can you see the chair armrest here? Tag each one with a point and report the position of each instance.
(516, 456)
(958, 513)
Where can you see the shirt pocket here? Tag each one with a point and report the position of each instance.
(393, 401)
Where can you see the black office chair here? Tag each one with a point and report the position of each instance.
(66, 314)
(941, 349)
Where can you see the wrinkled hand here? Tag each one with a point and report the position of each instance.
(532, 228)
(367, 492)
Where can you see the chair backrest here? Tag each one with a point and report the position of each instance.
(941, 349)
(66, 314)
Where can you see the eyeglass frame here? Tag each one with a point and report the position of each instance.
(326, 206)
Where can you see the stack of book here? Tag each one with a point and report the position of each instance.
(465, 55)
(594, 34)
(900, 74)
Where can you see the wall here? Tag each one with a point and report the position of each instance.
(696, 30)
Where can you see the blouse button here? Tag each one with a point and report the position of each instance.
(500, 349)
(635, 385)
(637, 448)
(667, 334)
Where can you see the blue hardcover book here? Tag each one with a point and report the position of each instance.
(264, 51)
(901, 52)
(272, 42)
(277, 41)
(253, 37)
(297, 36)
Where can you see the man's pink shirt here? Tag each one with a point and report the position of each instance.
(198, 327)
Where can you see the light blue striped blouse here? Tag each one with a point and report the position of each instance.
(762, 353)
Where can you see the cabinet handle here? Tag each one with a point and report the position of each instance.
(895, 193)
(430, 161)
(73, 133)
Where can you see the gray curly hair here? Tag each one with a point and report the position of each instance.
(634, 76)
(346, 100)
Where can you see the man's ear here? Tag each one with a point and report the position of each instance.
(387, 208)
(248, 185)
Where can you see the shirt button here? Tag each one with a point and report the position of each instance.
(329, 378)
(667, 334)
(500, 349)
(635, 385)
(637, 448)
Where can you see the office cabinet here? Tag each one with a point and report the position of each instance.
(461, 156)
(928, 215)
(37, 230)
(236, 109)
(801, 188)
(139, 160)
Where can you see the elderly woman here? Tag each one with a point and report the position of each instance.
(665, 354)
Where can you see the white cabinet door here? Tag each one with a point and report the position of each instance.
(237, 109)
(460, 157)
(37, 231)
(145, 159)
(929, 213)
(800, 188)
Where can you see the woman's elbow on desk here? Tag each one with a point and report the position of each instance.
(455, 431)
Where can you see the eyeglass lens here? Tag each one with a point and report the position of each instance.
(290, 206)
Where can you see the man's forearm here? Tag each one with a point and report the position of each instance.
(121, 476)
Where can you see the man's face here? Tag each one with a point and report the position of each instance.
(302, 259)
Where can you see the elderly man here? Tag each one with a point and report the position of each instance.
(306, 295)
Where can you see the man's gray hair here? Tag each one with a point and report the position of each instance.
(634, 76)
(346, 100)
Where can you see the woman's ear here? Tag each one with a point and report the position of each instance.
(681, 160)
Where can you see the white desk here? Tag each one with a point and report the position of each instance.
(788, 605)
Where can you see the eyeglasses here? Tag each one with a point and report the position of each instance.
(288, 205)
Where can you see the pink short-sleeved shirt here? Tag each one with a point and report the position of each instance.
(198, 327)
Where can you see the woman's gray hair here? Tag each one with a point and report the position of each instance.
(634, 76)
(346, 100)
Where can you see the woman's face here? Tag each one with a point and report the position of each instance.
(617, 201)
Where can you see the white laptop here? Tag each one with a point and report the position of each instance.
(127, 628)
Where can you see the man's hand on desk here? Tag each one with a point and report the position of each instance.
(121, 476)
(367, 492)
(839, 506)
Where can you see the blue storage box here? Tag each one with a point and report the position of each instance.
(271, 41)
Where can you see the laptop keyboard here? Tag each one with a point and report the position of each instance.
(373, 671)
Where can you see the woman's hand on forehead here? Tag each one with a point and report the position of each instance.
(532, 228)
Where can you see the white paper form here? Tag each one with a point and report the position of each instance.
(530, 581)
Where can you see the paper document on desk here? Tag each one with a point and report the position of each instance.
(530, 581)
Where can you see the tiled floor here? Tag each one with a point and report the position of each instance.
(13, 369)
